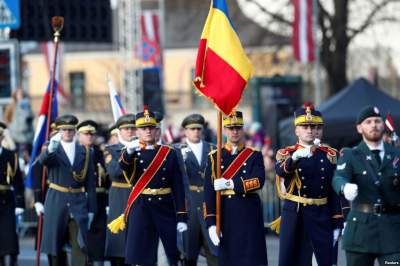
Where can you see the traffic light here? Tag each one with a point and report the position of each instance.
(84, 20)
(8, 70)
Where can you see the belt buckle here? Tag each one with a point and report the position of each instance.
(378, 209)
(70, 189)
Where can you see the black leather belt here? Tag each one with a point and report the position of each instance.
(377, 209)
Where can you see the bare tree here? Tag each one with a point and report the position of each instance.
(340, 22)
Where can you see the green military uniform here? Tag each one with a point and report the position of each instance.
(373, 223)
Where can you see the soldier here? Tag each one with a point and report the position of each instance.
(368, 175)
(97, 233)
(311, 216)
(120, 187)
(242, 227)
(113, 131)
(193, 157)
(71, 198)
(11, 201)
(156, 205)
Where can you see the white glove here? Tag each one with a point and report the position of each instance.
(54, 142)
(222, 183)
(350, 191)
(181, 227)
(107, 210)
(19, 211)
(212, 232)
(90, 219)
(132, 145)
(39, 208)
(301, 153)
(344, 227)
(336, 233)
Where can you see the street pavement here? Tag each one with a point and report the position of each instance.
(27, 255)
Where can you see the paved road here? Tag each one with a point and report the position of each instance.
(27, 255)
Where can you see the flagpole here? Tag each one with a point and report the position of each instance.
(57, 24)
(317, 95)
(218, 193)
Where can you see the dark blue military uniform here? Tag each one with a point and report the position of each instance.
(154, 215)
(308, 227)
(11, 196)
(242, 226)
(98, 228)
(196, 236)
(61, 205)
(117, 198)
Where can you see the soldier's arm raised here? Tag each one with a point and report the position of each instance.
(48, 158)
(18, 182)
(112, 164)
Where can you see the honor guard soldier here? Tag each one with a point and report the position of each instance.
(97, 233)
(242, 239)
(71, 198)
(193, 157)
(159, 117)
(120, 187)
(368, 176)
(311, 216)
(113, 131)
(11, 201)
(156, 205)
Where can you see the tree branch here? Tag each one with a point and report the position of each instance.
(273, 15)
(370, 17)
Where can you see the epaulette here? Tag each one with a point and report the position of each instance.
(284, 153)
(331, 153)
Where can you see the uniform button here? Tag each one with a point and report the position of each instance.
(164, 169)
(305, 195)
(159, 198)
(379, 173)
(322, 177)
(364, 172)
(354, 219)
(245, 164)
(299, 169)
(141, 161)
(379, 200)
(68, 204)
(322, 160)
(302, 178)
(229, 196)
(149, 199)
(198, 191)
(244, 195)
(144, 169)
(322, 169)
(222, 166)
(138, 153)
(322, 187)
(244, 171)
(163, 178)
(304, 186)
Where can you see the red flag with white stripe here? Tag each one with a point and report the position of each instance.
(302, 38)
(151, 49)
(389, 123)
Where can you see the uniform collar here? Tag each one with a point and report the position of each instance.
(144, 146)
(233, 150)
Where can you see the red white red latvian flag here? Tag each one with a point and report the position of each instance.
(302, 38)
(389, 123)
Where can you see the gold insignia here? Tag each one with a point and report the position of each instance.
(308, 114)
(108, 158)
(146, 116)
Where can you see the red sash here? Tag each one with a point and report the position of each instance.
(146, 177)
(237, 163)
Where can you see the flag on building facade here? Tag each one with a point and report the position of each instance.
(303, 36)
(222, 67)
(150, 27)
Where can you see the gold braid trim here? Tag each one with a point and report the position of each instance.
(10, 170)
(213, 175)
(276, 224)
(80, 177)
(129, 180)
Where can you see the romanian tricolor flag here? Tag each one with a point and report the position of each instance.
(222, 67)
